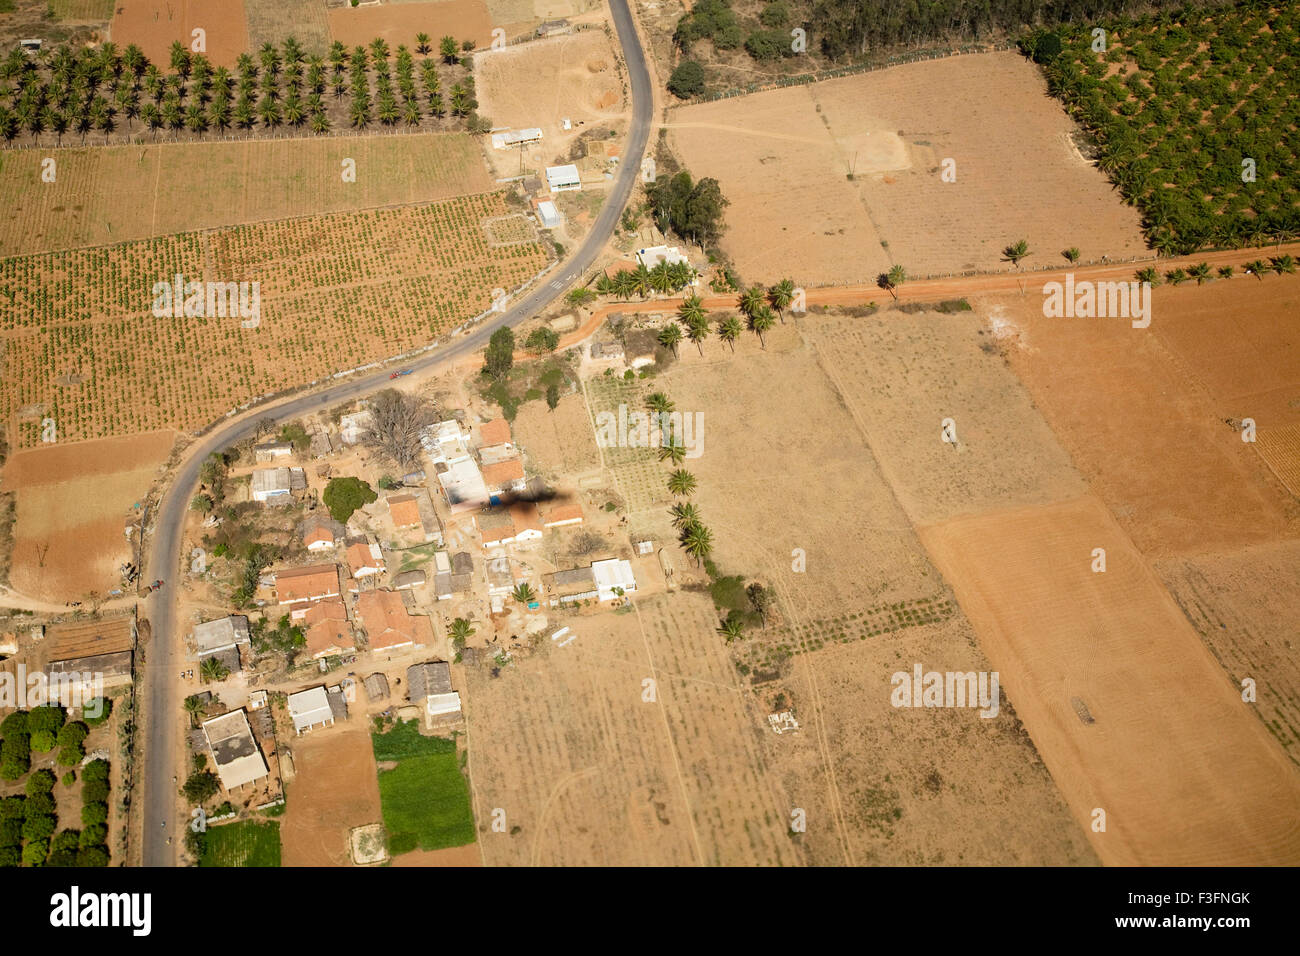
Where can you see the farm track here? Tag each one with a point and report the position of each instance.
(160, 693)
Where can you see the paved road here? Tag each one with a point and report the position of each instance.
(159, 697)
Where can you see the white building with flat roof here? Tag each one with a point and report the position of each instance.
(516, 137)
(548, 215)
(654, 255)
(310, 707)
(463, 485)
(234, 750)
(561, 178)
(611, 574)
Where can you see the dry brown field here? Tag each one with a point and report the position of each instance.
(1185, 773)
(81, 342)
(559, 444)
(274, 21)
(468, 855)
(783, 159)
(399, 23)
(335, 788)
(153, 25)
(1145, 428)
(1244, 604)
(73, 500)
(118, 193)
(538, 84)
(903, 375)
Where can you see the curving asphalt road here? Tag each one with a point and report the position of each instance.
(160, 710)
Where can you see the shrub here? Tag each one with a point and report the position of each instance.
(93, 813)
(95, 770)
(42, 741)
(69, 778)
(38, 829)
(41, 781)
(542, 340)
(48, 718)
(343, 496)
(92, 856)
(93, 835)
(10, 856)
(94, 791)
(687, 80)
(34, 853)
(101, 705)
(14, 724)
(11, 832)
(38, 804)
(70, 756)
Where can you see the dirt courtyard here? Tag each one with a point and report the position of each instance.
(537, 85)
(73, 501)
(335, 788)
(1131, 713)
(837, 181)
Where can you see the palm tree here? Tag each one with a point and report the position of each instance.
(681, 483)
(697, 331)
(449, 50)
(731, 628)
(891, 280)
(752, 299)
(660, 404)
(196, 121)
(320, 123)
(523, 593)
(1148, 275)
(670, 336)
(1256, 268)
(729, 330)
(684, 514)
(604, 284)
(195, 707)
(697, 540)
(780, 296)
(661, 279)
(642, 284)
(212, 670)
(1071, 255)
(1201, 273)
(1225, 272)
(151, 116)
(691, 309)
(675, 451)
(461, 631)
(1015, 252)
(580, 296)
(761, 321)
(1282, 264)
(1175, 276)
(422, 43)
(624, 284)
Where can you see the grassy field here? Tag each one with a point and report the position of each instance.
(106, 194)
(425, 799)
(243, 844)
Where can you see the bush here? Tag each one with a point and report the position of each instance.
(38, 804)
(343, 496)
(94, 791)
(34, 853)
(201, 787)
(93, 813)
(10, 856)
(103, 706)
(14, 724)
(38, 829)
(42, 741)
(73, 734)
(15, 756)
(542, 340)
(49, 719)
(92, 856)
(95, 770)
(11, 808)
(70, 756)
(93, 835)
(11, 832)
(42, 781)
(500, 356)
(687, 80)
(69, 778)
(65, 840)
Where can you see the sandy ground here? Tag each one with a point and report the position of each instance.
(153, 25)
(558, 444)
(1184, 772)
(117, 193)
(399, 23)
(468, 855)
(538, 84)
(335, 788)
(1146, 428)
(783, 159)
(72, 502)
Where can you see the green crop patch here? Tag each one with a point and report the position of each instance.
(246, 843)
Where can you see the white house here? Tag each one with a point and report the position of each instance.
(562, 178)
(548, 214)
(234, 750)
(352, 427)
(516, 137)
(611, 574)
(223, 634)
(309, 708)
(654, 255)
(463, 484)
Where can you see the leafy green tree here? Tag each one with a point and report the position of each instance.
(42, 742)
(343, 496)
(543, 339)
(500, 356)
(199, 787)
(41, 781)
(687, 80)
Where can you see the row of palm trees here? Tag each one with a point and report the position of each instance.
(756, 304)
(65, 90)
(664, 278)
(1201, 272)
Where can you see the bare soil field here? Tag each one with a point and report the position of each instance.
(72, 503)
(904, 375)
(1142, 427)
(559, 444)
(117, 193)
(784, 158)
(399, 23)
(274, 21)
(335, 788)
(467, 855)
(538, 84)
(154, 25)
(1130, 712)
(1245, 605)
(82, 346)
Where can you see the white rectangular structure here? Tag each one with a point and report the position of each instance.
(548, 214)
(268, 483)
(515, 137)
(309, 708)
(561, 178)
(611, 574)
(654, 255)
(463, 484)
